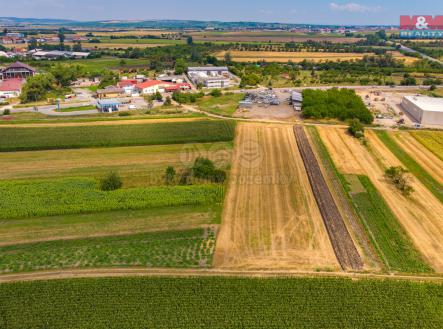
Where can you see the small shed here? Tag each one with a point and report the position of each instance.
(108, 105)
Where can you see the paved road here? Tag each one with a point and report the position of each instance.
(410, 50)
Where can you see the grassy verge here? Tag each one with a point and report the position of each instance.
(40, 138)
(190, 248)
(75, 196)
(108, 223)
(224, 105)
(422, 175)
(220, 303)
(78, 108)
(388, 237)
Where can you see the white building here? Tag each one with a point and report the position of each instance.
(210, 76)
(425, 110)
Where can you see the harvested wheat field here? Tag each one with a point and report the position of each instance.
(425, 158)
(421, 214)
(283, 57)
(271, 219)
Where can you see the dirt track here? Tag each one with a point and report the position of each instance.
(271, 219)
(176, 273)
(421, 214)
(341, 240)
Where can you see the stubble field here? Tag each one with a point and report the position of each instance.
(271, 219)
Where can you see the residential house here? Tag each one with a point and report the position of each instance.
(17, 70)
(11, 88)
(110, 92)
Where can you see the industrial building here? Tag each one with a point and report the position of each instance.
(297, 100)
(425, 110)
(210, 76)
(108, 105)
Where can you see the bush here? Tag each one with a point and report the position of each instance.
(169, 175)
(356, 129)
(216, 93)
(7, 112)
(205, 169)
(398, 177)
(124, 114)
(111, 182)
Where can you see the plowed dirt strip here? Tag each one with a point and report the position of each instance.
(421, 214)
(425, 158)
(342, 243)
(270, 218)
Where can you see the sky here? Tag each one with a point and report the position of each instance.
(364, 12)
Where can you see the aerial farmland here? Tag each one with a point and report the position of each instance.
(187, 174)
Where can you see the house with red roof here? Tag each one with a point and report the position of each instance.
(128, 85)
(152, 86)
(11, 88)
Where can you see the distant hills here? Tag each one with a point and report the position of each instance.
(153, 24)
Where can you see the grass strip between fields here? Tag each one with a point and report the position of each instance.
(76, 195)
(187, 248)
(391, 241)
(414, 168)
(219, 302)
(41, 138)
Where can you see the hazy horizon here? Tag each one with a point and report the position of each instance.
(334, 12)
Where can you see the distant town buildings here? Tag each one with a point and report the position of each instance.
(210, 76)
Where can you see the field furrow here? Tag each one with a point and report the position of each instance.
(270, 218)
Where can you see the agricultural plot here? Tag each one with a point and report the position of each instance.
(220, 303)
(40, 138)
(432, 140)
(108, 223)
(138, 166)
(271, 219)
(341, 240)
(284, 57)
(76, 196)
(427, 160)
(191, 248)
(408, 161)
(389, 238)
(419, 214)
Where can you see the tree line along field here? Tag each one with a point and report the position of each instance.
(63, 137)
(217, 302)
(418, 214)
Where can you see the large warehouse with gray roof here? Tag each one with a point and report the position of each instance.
(425, 110)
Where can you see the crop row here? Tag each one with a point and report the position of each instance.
(189, 248)
(432, 140)
(219, 302)
(41, 138)
(76, 195)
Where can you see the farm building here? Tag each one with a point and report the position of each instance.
(152, 86)
(425, 110)
(17, 70)
(296, 100)
(110, 92)
(210, 76)
(108, 105)
(11, 88)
